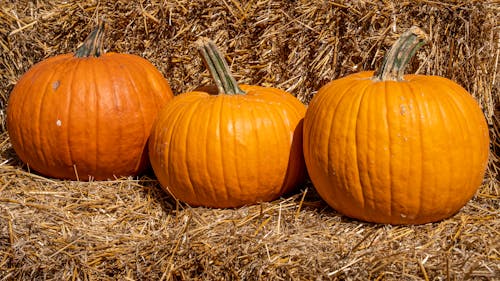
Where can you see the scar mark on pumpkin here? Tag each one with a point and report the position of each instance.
(55, 85)
(58, 123)
(403, 109)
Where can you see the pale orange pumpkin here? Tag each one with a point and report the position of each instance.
(239, 147)
(86, 115)
(395, 149)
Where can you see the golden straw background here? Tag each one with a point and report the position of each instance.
(129, 229)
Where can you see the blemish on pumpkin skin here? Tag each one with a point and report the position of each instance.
(55, 85)
(402, 109)
(58, 123)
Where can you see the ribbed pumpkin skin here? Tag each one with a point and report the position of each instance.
(229, 150)
(91, 113)
(406, 152)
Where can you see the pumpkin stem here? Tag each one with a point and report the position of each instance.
(92, 46)
(218, 68)
(400, 54)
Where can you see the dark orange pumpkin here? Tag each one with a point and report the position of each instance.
(396, 149)
(87, 114)
(236, 148)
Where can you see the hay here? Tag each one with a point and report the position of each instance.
(128, 229)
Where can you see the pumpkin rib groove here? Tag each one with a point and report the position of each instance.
(117, 104)
(329, 102)
(312, 118)
(449, 117)
(376, 114)
(136, 89)
(286, 174)
(333, 124)
(406, 110)
(254, 117)
(250, 126)
(333, 119)
(393, 126)
(90, 120)
(48, 81)
(171, 133)
(371, 152)
(354, 112)
(222, 136)
(357, 146)
(440, 117)
(444, 123)
(189, 126)
(389, 151)
(47, 86)
(414, 135)
(349, 99)
(116, 101)
(20, 112)
(179, 135)
(70, 109)
(283, 131)
(227, 164)
(357, 103)
(38, 114)
(94, 81)
(481, 158)
(416, 116)
(403, 104)
(284, 134)
(426, 182)
(175, 134)
(141, 105)
(209, 132)
(342, 127)
(273, 141)
(473, 158)
(233, 116)
(462, 124)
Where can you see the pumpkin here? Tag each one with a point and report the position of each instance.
(391, 148)
(238, 147)
(86, 115)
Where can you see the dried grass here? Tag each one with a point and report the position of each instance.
(128, 229)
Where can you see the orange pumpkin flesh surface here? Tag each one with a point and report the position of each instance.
(236, 148)
(400, 150)
(86, 115)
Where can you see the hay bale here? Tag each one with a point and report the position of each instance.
(128, 229)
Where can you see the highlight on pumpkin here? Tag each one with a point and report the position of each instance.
(90, 113)
(240, 147)
(395, 149)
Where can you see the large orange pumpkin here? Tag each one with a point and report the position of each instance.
(86, 115)
(395, 149)
(236, 148)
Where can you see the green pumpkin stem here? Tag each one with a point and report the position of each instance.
(400, 54)
(218, 68)
(92, 46)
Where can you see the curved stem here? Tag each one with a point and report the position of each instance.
(92, 46)
(218, 68)
(400, 54)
